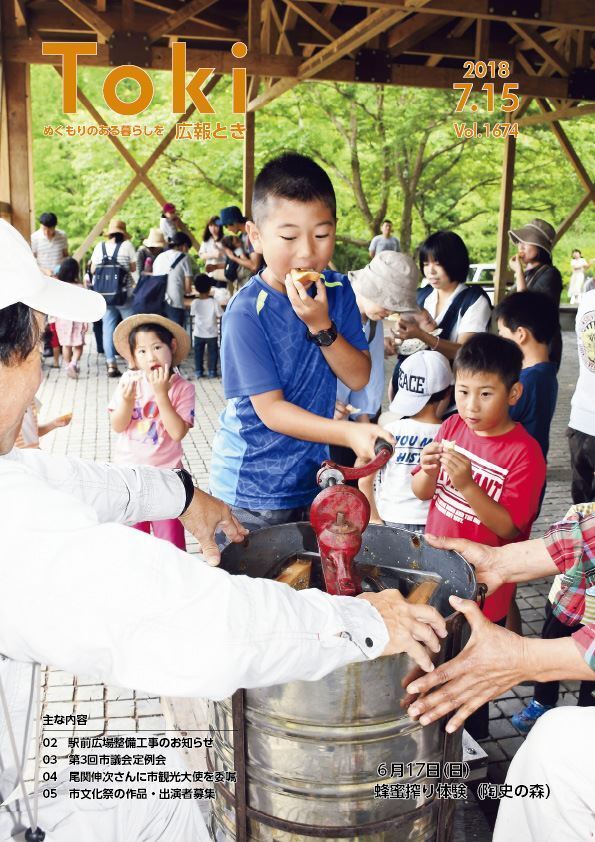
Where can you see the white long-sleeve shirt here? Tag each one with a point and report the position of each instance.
(81, 592)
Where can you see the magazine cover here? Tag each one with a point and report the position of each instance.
(297, 426)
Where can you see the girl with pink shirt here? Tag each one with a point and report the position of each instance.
(152, 408)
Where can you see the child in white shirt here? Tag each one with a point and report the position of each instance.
(205, 311)
(425, 385)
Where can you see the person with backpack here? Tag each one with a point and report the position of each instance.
(174, 263)
(111, 265)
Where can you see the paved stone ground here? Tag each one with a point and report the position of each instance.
(116, 710)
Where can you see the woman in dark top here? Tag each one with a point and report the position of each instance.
(533, 269)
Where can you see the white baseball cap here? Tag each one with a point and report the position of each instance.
(22, 280)
(421, 375)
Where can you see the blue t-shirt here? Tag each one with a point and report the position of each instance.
(264, 348)
(535, 409)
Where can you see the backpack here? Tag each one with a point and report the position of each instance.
(231, 270)
(463, 301)
(149, 293)
(110, 278)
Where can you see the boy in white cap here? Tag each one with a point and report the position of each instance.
(414, 418)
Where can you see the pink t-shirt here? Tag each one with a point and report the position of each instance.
(511, 469)
(145, 440)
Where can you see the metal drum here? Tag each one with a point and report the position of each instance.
(307, 754)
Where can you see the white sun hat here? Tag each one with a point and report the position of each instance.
(22, 280)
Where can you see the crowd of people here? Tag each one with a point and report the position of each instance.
(302, 355)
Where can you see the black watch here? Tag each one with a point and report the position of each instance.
(323, 338)
(186, 480)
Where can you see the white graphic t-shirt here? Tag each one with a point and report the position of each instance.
(393, 495)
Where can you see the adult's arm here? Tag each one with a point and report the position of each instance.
(493, 661)
(148, 616)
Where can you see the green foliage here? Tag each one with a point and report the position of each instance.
(391, 152)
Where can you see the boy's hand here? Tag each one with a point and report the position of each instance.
(159, 380)
(62, 420)
(458, 468)
(429, 460)
(312, 311)
(341, 412)
(361, 438)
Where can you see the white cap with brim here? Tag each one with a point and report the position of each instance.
(21, 280)
(421, 375)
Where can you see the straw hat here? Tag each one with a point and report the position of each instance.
(390, 280)
(122, 332)
(538, 232)
(155, 239)
(117, 226)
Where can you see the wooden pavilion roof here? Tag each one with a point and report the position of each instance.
(421, 43)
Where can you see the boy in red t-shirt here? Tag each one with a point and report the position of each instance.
(483, 472)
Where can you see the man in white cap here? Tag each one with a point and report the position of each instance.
(81, 592)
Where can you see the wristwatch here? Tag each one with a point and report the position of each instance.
(186, 480)
(323, 338)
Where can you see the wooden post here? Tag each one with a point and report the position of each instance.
(248, 166)
(504, 218)
(18, 145)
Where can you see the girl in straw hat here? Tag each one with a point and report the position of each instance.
(153, 407)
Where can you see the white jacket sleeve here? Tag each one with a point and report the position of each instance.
(116, 604)
(117, 493)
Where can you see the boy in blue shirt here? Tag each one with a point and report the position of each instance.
(284, 344)
(530, 319)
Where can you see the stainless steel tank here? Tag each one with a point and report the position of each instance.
(310, 755)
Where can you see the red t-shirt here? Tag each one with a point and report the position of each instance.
(511, 469)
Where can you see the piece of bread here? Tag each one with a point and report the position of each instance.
(422, 593)
(305, 276)
(297, 574)
(66, 418)
(352, 410)
(394, 317)
(449, 445)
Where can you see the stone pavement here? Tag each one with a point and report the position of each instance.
(117, 710)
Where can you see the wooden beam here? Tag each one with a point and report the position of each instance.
(100, 5)
(409, 32)
(504, 212)
(99, 226)
(583, 47)
(139, 178)
(171, 22)
(18, 145)
(85, 13)
(545, 50)
(248, 163)
(315, 18)
(567, 113)
(127, 14)
(20, 14)
(288, 67)
(354, 38)
(482, 40)
(463, 48)
(567, 147)
(563, 13)
(574, 214)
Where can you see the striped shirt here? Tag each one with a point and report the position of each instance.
(571, 545)
(49, 253)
